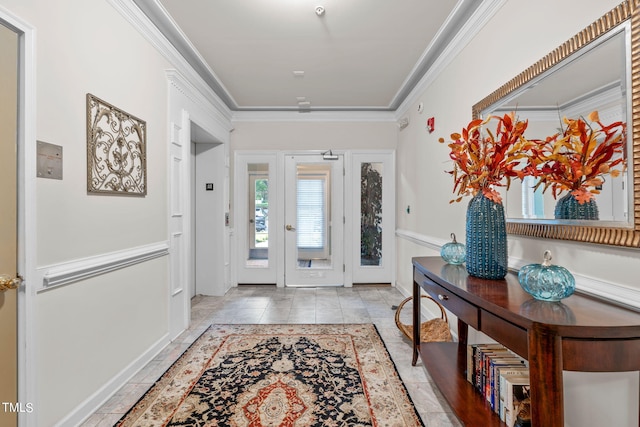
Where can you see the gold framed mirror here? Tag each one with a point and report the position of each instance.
(625, 19)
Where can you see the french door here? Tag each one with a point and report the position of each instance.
(308, 219)
(314, 220)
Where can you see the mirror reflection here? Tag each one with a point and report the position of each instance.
(595, 78)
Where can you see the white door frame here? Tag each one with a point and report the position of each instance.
(187, 105)
(352, 158)
(27, 367)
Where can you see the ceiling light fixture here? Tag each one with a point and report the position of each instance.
(320, 10)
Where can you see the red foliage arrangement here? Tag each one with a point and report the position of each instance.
(577, 159)
(483, 160)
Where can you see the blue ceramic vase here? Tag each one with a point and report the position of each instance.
(486, 239)
(567, 207)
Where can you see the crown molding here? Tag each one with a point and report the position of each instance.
(459, 41)
(134, 15)
(313, 116)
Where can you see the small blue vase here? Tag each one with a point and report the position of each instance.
(486, 239)
(453, 252)
(547, 282)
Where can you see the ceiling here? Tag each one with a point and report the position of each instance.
(280, 55)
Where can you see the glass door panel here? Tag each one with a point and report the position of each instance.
(373, 204)
(256, 217)
(313, 215)
(258, 214)
(371, 213)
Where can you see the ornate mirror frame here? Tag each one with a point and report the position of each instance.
(616, 236)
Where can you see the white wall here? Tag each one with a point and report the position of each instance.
(314, 135)
(520, 33)
(307, 133)
(87, 333)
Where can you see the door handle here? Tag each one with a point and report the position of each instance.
(290, 228)
(7, 282)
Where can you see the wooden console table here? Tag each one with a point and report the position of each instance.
(580, 333)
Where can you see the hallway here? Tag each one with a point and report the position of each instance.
(268, 304)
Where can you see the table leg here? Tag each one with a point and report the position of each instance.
(416, 322)
(463, 335)
(545, 376)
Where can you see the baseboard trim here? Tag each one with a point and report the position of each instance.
(81, 269)
(87, 408)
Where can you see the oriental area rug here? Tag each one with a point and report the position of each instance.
(279, 375)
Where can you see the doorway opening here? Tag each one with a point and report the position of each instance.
(304, 219)
(207, 262)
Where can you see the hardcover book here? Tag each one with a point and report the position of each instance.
(513, 390)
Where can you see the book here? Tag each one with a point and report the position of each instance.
(513, 390)
(509, 365)
(474, 356)
(489, 359)
(516, 366)
(485, 366)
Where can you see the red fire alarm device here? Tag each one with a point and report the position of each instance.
(431, 124)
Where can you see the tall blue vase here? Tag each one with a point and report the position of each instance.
(486, 239)
(567, 207)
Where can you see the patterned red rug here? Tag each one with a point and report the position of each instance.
(279, 375)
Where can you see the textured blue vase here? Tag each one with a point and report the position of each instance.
(486, 239)
(567, 207)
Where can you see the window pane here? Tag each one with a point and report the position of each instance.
(313, 220)
(370, 213)
(311, 214)
(258, 214)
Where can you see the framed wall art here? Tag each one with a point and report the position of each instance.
(116, 150)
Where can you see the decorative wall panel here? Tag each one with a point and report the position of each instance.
(116, 150)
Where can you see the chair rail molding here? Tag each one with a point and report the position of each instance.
(82, 269)
(421, 239)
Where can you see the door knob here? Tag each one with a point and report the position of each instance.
(7, 282)
(290, 228)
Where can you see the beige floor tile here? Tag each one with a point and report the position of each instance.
(268, 304)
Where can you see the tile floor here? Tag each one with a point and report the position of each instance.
(268, 304)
